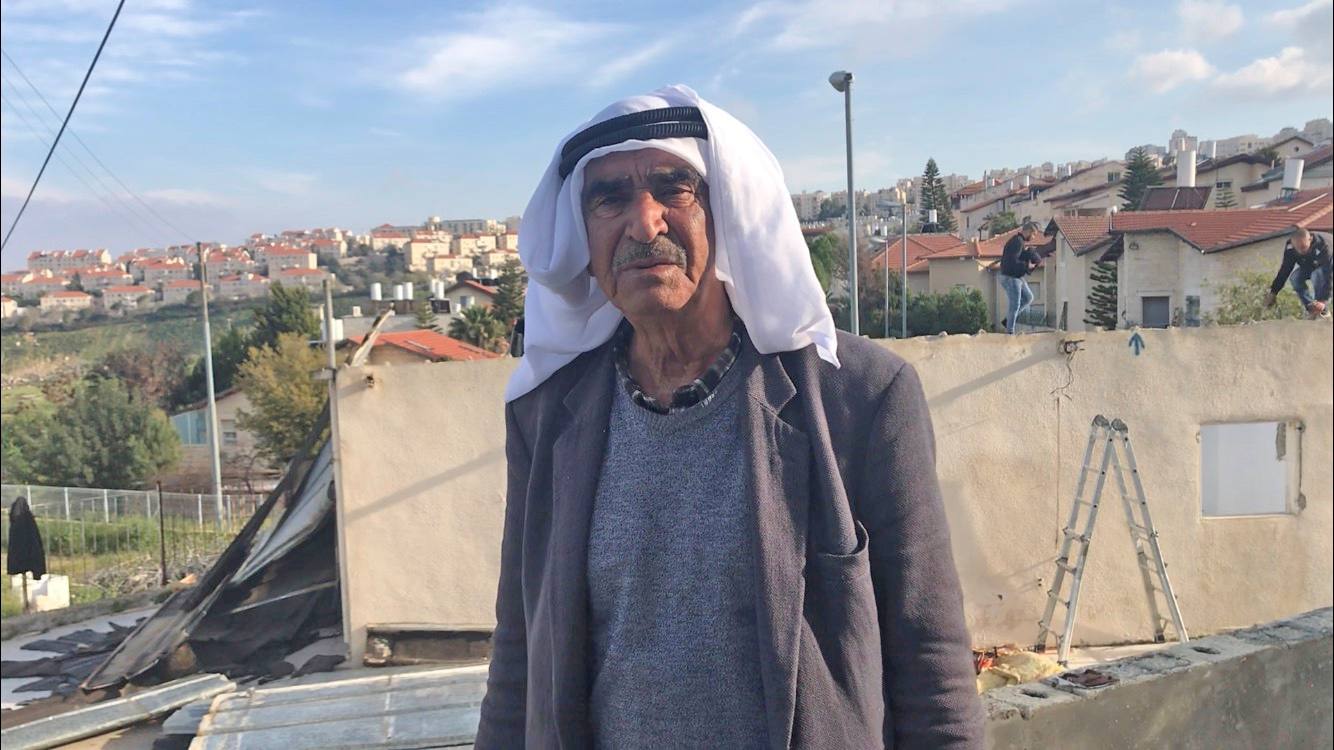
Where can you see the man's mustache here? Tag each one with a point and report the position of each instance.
(660, 248)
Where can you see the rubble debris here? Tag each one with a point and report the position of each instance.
(273, 590)
(1012, 665)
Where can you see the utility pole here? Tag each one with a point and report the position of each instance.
(208, 377)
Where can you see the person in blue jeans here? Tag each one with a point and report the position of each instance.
(1017, 261)
(1306, 260)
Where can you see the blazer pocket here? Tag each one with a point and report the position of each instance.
(849, 566)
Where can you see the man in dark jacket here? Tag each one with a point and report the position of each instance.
(723, 525)
(1017, 261)
(1306, 267)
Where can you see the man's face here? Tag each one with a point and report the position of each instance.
(1301, 243)
(1027, 233)
(650, 232)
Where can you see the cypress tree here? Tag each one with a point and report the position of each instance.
(1102, 302)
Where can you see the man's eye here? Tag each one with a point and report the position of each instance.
(677, 195)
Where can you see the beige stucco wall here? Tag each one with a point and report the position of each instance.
(421, 456)
(1165, 265)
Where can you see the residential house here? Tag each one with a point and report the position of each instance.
(1079, 241)
(465, 294)
(1019, 196)
(40, 284)
(975, 264)
(310, 278)
(1214, 181)
(919, 246)
(236, 447)
(1292, 145)
(11, 284)
(508, 241)
(458, 227)
(178, 292)
(154, 272)
(417, 346)
(385, 236)
(125, 297)
(66, 300)
(449, 266)
(95, 279)
(243, 286)
(8, 307)
(1086, 191)
(1316, 171)
(423, 246)
(228, 262)
(329, 249)
(1172, 263)
(276, 259)
(491, 262)
(471, 244)
(59, 260)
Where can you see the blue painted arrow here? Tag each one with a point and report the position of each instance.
(1137, 343)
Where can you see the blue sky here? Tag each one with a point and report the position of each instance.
(229, 118)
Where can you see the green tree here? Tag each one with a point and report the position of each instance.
(230, 349)
(1103, 306)
(421, 309)
(1268, 153)
(1242, 301)
(507, 304)
(476, 325)
(286, 311)
(1141, 174)
(935, 197)
(830, 211)
(824, 258)
(1002, 222)
(1225, 198)
(956, 311)
(153, 374)
(285, 399)
(22, 444)
(103, 438)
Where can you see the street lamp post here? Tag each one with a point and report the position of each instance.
(903, 275)
(842, 82)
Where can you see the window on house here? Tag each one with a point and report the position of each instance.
(1223, 184)
(1157, 312)
(229, 437)
(1250, 468)
(1113, 176)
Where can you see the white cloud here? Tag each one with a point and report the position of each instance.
(1124, 41)
(1311, 24)
(1209, 20)
(516, 46)
(286, 183)
(1161, 72)
(1294, 72)
(898, 28)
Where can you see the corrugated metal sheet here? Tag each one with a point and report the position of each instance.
(428, 708)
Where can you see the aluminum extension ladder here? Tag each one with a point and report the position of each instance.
(1077, 536)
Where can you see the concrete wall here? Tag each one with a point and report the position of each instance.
(422, 477)
(1267, 686)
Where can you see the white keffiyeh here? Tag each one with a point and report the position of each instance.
(760, 254)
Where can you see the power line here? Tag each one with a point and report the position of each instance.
(110, 206)
(76, 137)
(63, 125)
(129, 209)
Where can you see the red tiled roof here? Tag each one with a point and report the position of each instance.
(286, 251)
(431, 345)
(1083, 232)
(180, 284)
(128, 290)
(12, 278)
(919, 245)
(69, 295)
(489, 291)
(1212, 231)
(301, 272)
(100, 274)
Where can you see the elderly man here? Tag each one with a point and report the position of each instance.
(724, 527)
(1306, 268)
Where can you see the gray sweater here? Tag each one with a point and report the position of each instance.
(675, 660)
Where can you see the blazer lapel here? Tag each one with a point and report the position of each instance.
(779, 462)
(576, 465)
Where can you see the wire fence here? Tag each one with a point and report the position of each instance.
(115, 542)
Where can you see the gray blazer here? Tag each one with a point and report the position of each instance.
(862, 636)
